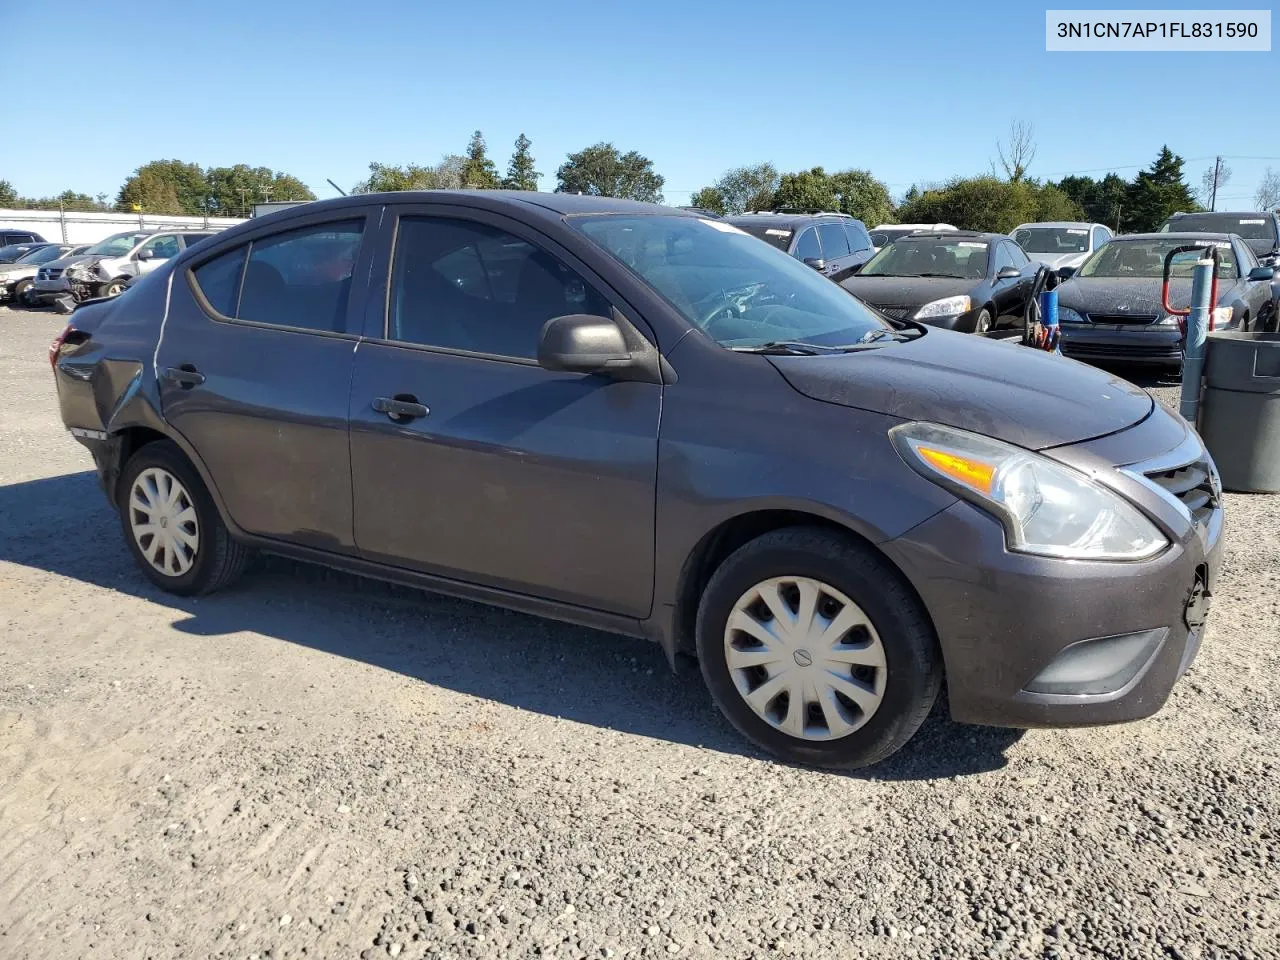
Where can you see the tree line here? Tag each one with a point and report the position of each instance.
(997, 201)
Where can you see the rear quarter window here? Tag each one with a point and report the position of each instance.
(218, 280)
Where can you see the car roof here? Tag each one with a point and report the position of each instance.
(974, 235)
(1222, 213)
(1189, 235)
(1059, 224)
(564, 204)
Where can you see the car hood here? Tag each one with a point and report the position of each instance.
(1136, 295)
(1015, 394)
(11, 270)
(1056, 260)
(907, 291)
(65, 262)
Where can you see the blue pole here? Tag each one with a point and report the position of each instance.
(1197, 330)
(1049, 320)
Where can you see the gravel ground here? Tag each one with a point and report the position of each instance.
(311, 765)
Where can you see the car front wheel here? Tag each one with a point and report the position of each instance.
(172, 525)
(816, 649)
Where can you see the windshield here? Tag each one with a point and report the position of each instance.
(779, 237)
(14, 251)
(929, 257)
(1248, 227)
(1052, 239)
(738, 291)
(116, 245)
(42, 255)
(1144, 259)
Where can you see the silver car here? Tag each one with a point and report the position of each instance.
(104, 269)
(17, 277)
(1060, 243)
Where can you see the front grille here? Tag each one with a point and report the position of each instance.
(50, 273)
(1193, 486)
(1125, 318)
(1076, 348)
(897, 313)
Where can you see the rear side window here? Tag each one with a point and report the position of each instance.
(859, 239)
(191, 239)
(834, 242)
(299, 278)
(219, 280)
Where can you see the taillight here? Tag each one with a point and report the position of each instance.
(58, 341)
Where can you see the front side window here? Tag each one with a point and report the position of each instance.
(161, 248)
(1100, 236)
(807, 246)
(461, 285)
(1020, 259)
(835, 243)
(299, 278)
(859, 240)
(737, 291)
(1145, 259)
(930, 257)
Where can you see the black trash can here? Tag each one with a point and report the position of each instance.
(1240, 410)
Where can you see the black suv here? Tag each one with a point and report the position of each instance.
(9, 237)
(1261, 231)
(834, 244)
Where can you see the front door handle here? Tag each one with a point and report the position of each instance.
(185, 376)
(402, 406)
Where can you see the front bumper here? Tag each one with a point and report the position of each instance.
(1142, 343)
(1032, 641)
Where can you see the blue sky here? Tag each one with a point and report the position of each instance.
(913, 91)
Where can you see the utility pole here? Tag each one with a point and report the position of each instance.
(244, 203)
(1119, 207)
(1213, 197)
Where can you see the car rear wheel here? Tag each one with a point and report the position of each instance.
(816, 649)
(172, 525)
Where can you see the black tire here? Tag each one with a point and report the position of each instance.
(914, 663)
(20, 292)
(982, 322)
(112, 288)
(219, 559)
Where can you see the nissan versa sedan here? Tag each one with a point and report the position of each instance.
(956, 279)
(647, 421)
(1111, 308)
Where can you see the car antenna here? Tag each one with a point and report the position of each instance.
(335, 186)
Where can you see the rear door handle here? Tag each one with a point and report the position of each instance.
(185, 376)
(400, 407)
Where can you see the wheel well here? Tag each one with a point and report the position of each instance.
(128, 442)
(717, 545)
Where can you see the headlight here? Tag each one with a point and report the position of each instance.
(947, 307)
(1221, 316)
(1046, 508)
(1067, 315)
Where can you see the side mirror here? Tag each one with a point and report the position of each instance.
(816, 262)
(1008, 273)
(1263, 273)
(1066, 272)
(581, 343)
(146, 255)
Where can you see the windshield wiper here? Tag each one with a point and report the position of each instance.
(789, 348)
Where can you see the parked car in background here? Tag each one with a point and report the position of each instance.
(1060, 243)
(16, 251)
(642, 420)
(1110, 309)
(1261, 231)
(834, 244)
(103, 269)
(10, 236)
(16, 278)
(972, 282)
(886, 233)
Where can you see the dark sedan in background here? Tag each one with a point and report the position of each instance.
(1110, 309)
(834, 244)
(1259, 229)
(956, 279)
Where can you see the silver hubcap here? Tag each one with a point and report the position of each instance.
(163, 520)
(805, 658)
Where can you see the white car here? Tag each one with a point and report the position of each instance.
(886, 233)
(1060, 243)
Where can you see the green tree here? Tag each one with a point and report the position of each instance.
(520, 172)
(478, 171)
(601, 171)
(861, 195)
(8, 195)
(232, 191)
(1157, 193)
(709, 198)
(808, 190)
(186, 181)
(988, 203)
(383, 178)
(745, 188)
(1100, 201)
(150, 190)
